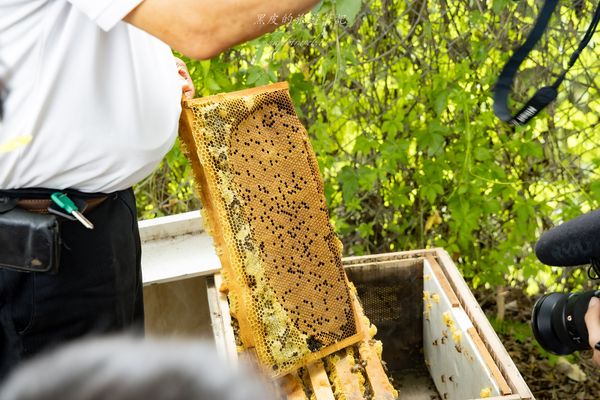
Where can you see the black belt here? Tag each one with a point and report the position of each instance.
(38, 200)
(40, 206)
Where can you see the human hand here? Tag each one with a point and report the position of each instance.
(592, 321)
(187, 88)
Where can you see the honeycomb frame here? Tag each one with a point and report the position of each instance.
(264, 205)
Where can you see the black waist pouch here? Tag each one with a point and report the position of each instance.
(29, 242)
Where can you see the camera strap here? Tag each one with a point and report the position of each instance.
(547, 94)
(594, 269)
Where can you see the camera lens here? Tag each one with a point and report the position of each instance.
(558, 321)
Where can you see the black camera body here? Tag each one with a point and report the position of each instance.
(558, 321)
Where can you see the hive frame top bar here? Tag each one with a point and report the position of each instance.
(274, 87)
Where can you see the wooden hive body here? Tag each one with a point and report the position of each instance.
(469, 362)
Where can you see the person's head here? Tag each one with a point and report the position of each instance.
(126, 368)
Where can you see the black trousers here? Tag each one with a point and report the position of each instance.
(98, 288)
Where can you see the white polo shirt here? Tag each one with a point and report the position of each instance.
(91, 102)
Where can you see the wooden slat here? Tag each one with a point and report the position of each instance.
(380, 384)
(488, 335)
(385, 264)
(441, 277)
(230, 346)
(217, 318)
(291, 385)
(319, 381)
(382, 388)
(375, 258)
(188, 223)
(510, 397)
(489, 362)
(348, 380)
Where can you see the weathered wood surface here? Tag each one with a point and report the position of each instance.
(320, 381)
(348, 380)
(291, 386)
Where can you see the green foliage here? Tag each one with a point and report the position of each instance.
(396, 96)
(169, 190)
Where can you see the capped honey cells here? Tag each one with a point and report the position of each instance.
(264, 204)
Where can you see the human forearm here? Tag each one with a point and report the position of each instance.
(204, 28)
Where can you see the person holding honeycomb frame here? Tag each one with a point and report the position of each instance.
(90, 105)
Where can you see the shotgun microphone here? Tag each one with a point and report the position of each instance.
(572, 243)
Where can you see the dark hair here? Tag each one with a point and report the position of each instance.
(126, 368)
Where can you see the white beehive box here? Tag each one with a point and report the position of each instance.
(437, 341)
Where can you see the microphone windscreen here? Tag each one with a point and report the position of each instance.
(572, 243)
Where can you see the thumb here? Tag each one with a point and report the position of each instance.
(592, 321)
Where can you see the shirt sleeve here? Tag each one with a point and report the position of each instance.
(105, 13)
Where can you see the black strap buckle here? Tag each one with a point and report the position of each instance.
(594, 269)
